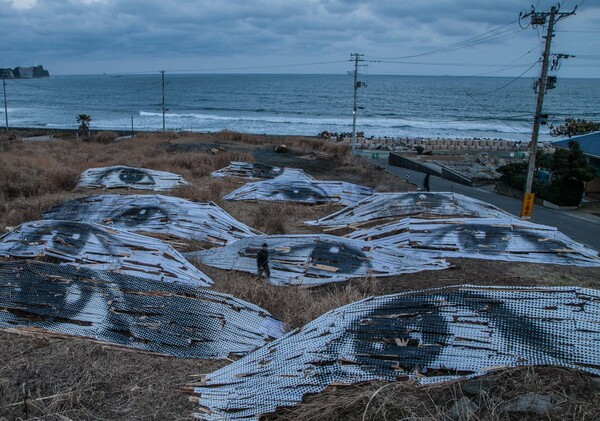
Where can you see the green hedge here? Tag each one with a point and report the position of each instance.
(564, 192)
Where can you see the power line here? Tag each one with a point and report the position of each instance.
(494, 115)
(215, 69)
(580, 32)
(487, 36)
(445, 64)
(512, 81)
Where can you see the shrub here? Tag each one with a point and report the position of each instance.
(514, 174)
(105, 137)
(574, 127)
(564, 192)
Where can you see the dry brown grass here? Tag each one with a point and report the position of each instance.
(574, 393)
(293, 305)
(23, 209)
(105, 137)
(297, 144)
(75, 379)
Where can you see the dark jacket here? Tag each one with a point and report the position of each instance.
(262, 259)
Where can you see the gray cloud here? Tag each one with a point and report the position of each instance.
(130, 35)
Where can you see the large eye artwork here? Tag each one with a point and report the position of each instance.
(302, 194)
(68, 237)
(412, 333)
(265, 171)
(332, 258)
(489, 239)
(408, 334)
(470, 238)
(514, 328)
(60, 296)
(484, 238)
(138, 215)
(125, 176)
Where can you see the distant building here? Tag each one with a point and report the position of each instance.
(590, 146)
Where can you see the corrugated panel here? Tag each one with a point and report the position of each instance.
(384, 206)
(430, 336)
(99, 247)
(129, 178)
(316, 259)
(482, 238)
(253, 170)
(165, 216)
(291, 189)
(171, 319)
(248, 170)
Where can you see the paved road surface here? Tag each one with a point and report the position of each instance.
(582, 227)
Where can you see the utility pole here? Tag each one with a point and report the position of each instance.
(542, 86)
(162, 72)
(5, 105)
(357, 84)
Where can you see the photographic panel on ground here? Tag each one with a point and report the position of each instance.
(82, 244)
(301, 191)
(155, 215)
(310, 260)
(509, 239)
(148, 315)
(382, 207)
(254, 170)
(121, 176)
(429, 336)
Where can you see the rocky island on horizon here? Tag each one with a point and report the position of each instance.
(31, 72)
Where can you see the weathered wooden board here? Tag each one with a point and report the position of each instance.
(392, 206)
(152, 316)
(316, 259)
(508, 239)
(129, 178)
(165, 216)
(429, 336)
(95, 246)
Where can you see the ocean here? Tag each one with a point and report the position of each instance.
(393, 106)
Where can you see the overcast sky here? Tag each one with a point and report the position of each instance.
(122, 36)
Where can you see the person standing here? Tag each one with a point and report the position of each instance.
(426, 183)
(262, 261)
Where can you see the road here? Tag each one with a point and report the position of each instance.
(580, 226)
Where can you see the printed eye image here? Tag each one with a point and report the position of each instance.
(67, 237)
(490, 239)
(136, 215)
(127, 176)
(265, 171)
(345, 259)
(301, 193)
